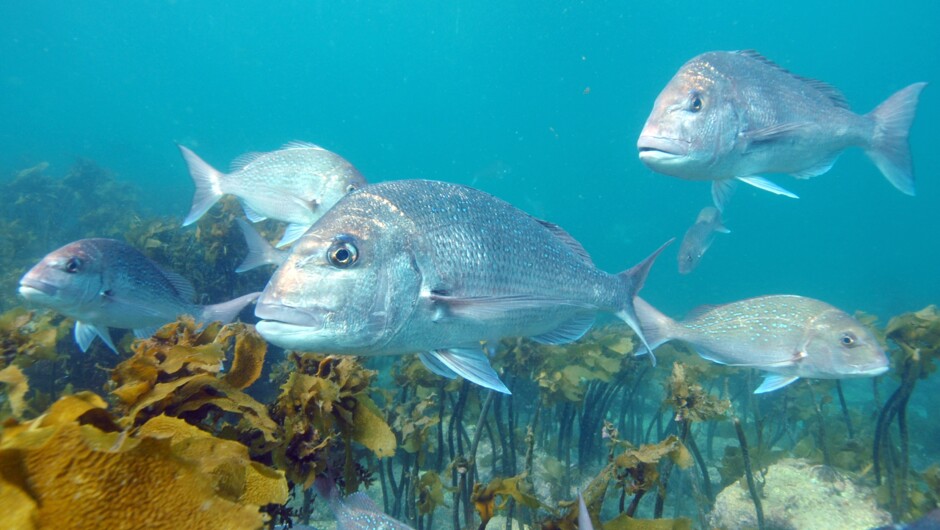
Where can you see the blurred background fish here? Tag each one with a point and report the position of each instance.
(731, 116)
(356, 511)
(294, 184)
(699, 237)
(105, 283)
(788, 336)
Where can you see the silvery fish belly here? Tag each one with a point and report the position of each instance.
(296, 184)
(732, 116)
(105, 283)
(436, 268)
(788, 336)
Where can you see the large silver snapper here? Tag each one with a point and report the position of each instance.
(431, 267)
(105, 283)
(295, 184)
(699, 237)
(788, 336)
(728, 116)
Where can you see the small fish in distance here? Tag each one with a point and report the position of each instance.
(423, 266)
(357, 511)
(788, 336)
(729, 116)
(260, 252)
(295, 184)
(105, 283)
(699, 237)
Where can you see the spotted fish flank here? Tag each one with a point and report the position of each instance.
(788, 336)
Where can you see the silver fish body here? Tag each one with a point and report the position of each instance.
(699, 237)
(736, 115)
(295, 184)
(423, 266)
(788, 336)
(105, 283)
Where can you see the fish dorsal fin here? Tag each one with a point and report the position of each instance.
(699, 311)
(832, 93)
(242, 160)
(184, 289)
(569, 331)
(360, 501)
(299, 144)
(568, 240)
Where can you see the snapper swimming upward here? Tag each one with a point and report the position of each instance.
(105, 283)
(729, 116)
(788, 336)
(431, 267)
(699, 237)
(295, 184)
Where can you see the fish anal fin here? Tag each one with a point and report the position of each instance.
(144, 333)
(775, 382)
(292, 233)
(569, 331)
(816, 170)
(252, 214)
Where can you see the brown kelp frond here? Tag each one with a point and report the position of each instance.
(30, 336)
(176, 372)
(518, 488)
(70, 468)
(323, 404)
(689, 400)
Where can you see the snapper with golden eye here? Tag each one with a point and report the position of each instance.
(433, 268)
(734, 116)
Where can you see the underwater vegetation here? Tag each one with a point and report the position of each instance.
(243, 430)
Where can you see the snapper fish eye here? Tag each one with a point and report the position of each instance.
(848, 339)
(73, 265)
(695, 101)
(343, 252)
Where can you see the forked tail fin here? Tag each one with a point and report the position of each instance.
(227, 311)
(889, 148)
(634, 278)
(208, 183)
(260, 251)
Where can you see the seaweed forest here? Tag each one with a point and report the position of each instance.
(205, 425)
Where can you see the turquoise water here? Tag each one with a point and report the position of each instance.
(539, 103)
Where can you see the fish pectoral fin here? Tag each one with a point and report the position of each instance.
(569, 330)
(797, 357)
(251, 214)
(292, 233)
(766, 185)
(775, 382)
(489, 307)
(85, 334)
(775, 132)
(469, 363)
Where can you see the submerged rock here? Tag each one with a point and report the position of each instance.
(797, 494)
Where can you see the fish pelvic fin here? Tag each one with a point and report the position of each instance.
(85, 334)
(634, 278)
(208, 183)
(260, 252)
(775, 382)
(469, 363)
(889, 148)
(227, 311)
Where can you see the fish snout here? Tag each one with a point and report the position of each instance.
(32, 287)
(296, 316)
(658, 147)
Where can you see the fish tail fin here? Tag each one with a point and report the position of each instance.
(657, 327)
(227, 311)
(208, 182)
(889, 148)
(260, 251)
(634, 278)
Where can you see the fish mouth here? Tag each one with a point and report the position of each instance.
(280, 315)
(656, 148)
(31, 288)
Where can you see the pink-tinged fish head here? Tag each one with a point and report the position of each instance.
(348, 284)
(838, 347)
(693, 123)
(68, 280)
